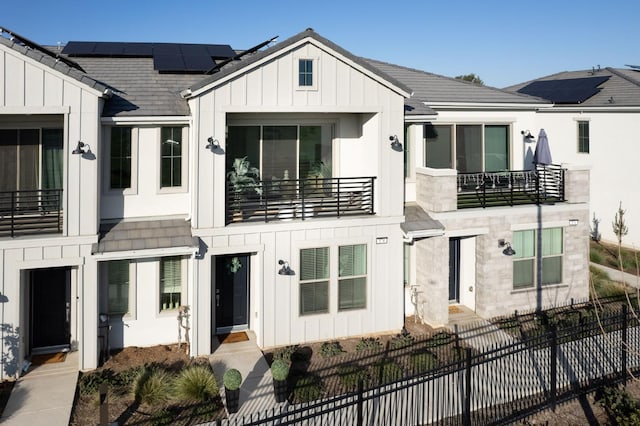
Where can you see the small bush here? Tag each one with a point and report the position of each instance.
(196, 383)
(350, 374)
(621, 406)
(285, 353)
(232, 379)
(439, 339)
(330, 349)
(90, 383)
(368, 344)
(387, 370)
(279, 370)
(308, 388)
(152, 386)
(401, 341)
(422, 361)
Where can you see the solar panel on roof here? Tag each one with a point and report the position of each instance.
(74, 48)
(221, 51)
(108, 49)
(197, 63)
(194, 49)
(166, 49)
(168, 63)
(138, 49)
(565, 91)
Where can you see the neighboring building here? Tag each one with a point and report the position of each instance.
(116, 207)
(470, 183)
(595, 121)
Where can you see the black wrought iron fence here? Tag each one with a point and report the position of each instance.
(496, 386)
(30, 212)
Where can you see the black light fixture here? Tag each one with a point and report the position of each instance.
(80, 148)
(508, 251)
(527, 135)
(213, 143)
(395, 143)
(285, 270)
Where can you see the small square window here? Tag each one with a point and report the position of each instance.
(305, 73)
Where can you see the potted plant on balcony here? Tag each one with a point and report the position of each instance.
(318, 173)
(244, 181)
(232, 380)
(280, 372)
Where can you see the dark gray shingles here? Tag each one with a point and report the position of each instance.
(433, 88)
(145, 235)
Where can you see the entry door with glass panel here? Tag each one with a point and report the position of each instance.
(231, 292)
(50, 310)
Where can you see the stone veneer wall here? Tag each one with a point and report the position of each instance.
(433, 297)
(436, 189)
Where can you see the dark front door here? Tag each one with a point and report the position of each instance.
(50, 309)
(454, 270)
(231, 292)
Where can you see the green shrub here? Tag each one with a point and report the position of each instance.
(439, 339)
(621, 406)
(196, 383)
(308, 388)
(422, 361)
(401, 341)
(368, 344)
(596, 257)
(279, 370)
(232, 379)
(350, 374)
(285, 353)
(330, 349)
(152, 386)
(90, 383)
(387, 370)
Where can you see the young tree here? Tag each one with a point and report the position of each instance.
(619, 226)
(472, 78)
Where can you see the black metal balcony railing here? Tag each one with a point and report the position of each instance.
(544, 184)
(30, 212)
(289, 199)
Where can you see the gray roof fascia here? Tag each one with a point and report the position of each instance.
(59, 66)
(244, 64)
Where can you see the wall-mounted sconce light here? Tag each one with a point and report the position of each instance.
(527, 135)
(395, 143)
(285, 270)
(508, 251)
(213, 143)
(80, 148)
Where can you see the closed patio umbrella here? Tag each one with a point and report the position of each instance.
(542, 155)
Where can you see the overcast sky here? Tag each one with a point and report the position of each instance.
(504, 42)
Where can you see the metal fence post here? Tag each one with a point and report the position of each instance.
(624, 354)
(554, 367)
(466, 408)
(104, 405)
(360, 392)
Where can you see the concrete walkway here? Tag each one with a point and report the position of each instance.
(256, 391)
(44, 396)
(476, 331)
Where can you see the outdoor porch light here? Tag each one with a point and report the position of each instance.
(213, 143)
(285, 270)
(80, 148)
(527, 134)
(508, 251)
(395, 143)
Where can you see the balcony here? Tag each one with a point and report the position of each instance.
(285, 200)
(544, 184)
(30, 212)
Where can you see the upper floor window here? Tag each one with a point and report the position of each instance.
(171, 153)
(305, 72)
(525, 269)
(467, 147)
(583, 137)
(120, 158)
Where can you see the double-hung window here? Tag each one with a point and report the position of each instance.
(120, 158)
(305, 73)
(323, 269)
(171, 153)
(525, 261)
(118, 284)
(583, 137)
(170, 282)
(314, 281)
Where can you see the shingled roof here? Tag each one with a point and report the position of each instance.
(622, 88)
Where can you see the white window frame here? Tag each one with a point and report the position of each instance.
(537, 252)
(183, 286)
(588, 138)
(334, 278)
(315, 281)
(104, 290)
(184, 187)
(133, 190)
(315, 73)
